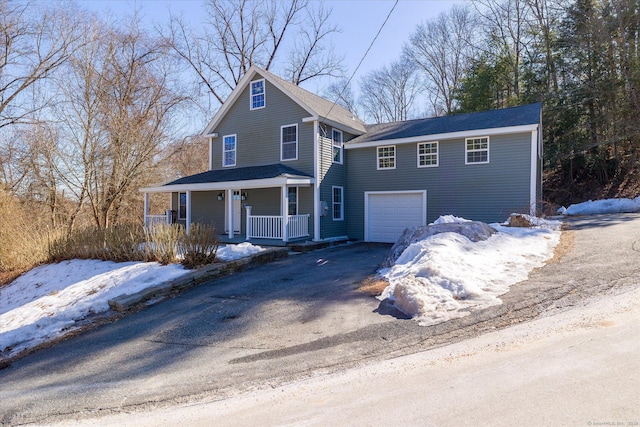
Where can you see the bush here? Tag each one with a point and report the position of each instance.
(200, 246)
(162, 242)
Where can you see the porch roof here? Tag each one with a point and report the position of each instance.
(247, 177)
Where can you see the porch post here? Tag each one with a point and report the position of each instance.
(230, 210)
(285, 213)
(248, 208)
(188, 213)
(146, 208)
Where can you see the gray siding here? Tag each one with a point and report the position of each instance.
(483, 192)
(207, 209)
(258, 132)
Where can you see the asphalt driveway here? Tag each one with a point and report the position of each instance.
(294, 318)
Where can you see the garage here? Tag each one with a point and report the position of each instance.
(387, 214)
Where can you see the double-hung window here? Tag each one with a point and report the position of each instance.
(476, 150)
(387, 157)
(229, 150)
(289, 142)
(292, 196)
(336, 137)
(338, 203)
(427, 154)
(257, 94)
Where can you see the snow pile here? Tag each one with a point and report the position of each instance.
(449, 219)
(592, 207)
(446, 275)
(52, 300)
(231, 252)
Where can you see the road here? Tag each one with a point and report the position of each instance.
(286, 321)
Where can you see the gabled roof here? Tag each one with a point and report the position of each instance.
(503, 118)
(317, 107)
(240, 174)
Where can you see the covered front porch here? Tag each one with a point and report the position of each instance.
(273, 208)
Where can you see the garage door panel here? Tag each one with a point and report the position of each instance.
(390, 213)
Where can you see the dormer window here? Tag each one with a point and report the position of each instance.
(257, 94)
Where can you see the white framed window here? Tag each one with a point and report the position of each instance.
(336, 137)
(476, 150)
(289, 142)
(387, 157)
(427, 154)
(292, 195)
(257, 94)
(338, 203)
(182, 205)
(229, 150)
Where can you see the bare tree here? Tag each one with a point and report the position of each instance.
(341, 92)
(35, 41)
(389, 94)
(239, 33)
(442, 50)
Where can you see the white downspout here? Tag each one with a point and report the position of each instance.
(533, 179)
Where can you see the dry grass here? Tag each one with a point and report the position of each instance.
(373, 285)
(565, 245)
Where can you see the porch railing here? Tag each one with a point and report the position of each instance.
(151, 220)
(270, 227)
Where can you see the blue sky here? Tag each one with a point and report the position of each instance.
(358, 19)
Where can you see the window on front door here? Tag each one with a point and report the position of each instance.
(182, 205)
(293, 200)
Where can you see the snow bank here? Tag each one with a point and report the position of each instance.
(447, 275)
(592, 207)
(231, 252)
(49, 301)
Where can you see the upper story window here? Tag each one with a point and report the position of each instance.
(229, 150)
(336, 137)
(338, 203)
(476, 150)
(427, 154)
(387, 157)
(257, 94)
(289, 142)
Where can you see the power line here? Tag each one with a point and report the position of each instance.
(363, 56)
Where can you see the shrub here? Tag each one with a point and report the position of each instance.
(162, 242)
(200, 246)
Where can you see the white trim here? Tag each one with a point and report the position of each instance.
(316, 184)
(235, 150)
(341, 146)
(281, 142)
(366, 206)
(467, 151)
(300, 181)
(334, 124)
(437, 154)
(395, 157)
(333, 202)
(444, 136)
(534, 175)
(251, 95)
(211, 150)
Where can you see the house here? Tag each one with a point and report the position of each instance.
(286, 164)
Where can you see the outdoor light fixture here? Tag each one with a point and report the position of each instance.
(221, 196)
(244, 196)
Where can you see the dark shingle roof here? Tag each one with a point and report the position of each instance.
(239, 174)
(515, 116)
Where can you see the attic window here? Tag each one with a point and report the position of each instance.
(257, 94)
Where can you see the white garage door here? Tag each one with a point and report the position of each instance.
(388, 214)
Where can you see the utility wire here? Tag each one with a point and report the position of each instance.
(363, 56)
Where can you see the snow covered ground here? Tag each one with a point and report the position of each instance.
(602, 207)
(52, 300)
